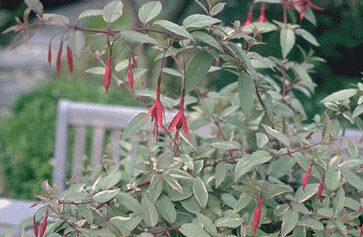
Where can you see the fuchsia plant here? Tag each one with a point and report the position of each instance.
(259, 170)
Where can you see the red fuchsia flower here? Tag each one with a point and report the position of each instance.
(35, 227)
(232, 151)
(257, 216)
(178, 122)
(59, 59)
(70, 59)
(43, 226)
(303, 7)
(249, 19)
(321, 188)
(157, 113)
(306, 178)
(108, 73)
(262, 17)
(130, 75)
(50, 55)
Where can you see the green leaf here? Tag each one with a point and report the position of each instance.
(77, 41)
(307, 36)
(35, 5)
(312, 224)
(226, 145)
(289, 222)
(218, 8)
(200, 192)
(172, 72)
(352, 178)
(110, 180)
(197, 69)
(96, 70)
(310, 191)
(283, 110)
(340, 95)
(207, 39)
(246, 88)
(261, 139)
(199, 21)
(276, 134)
(149, 11)
(339, 200)
(128, 201)
(149, 212)
(56, 19)
(221, 173)
(228, 221)
(352, 148)
(90, 13)
(174, 195)
(247, 162)
(174, 28)
(207, 224)
(281, 166)
(166, 209)
(105, 196)
(129, 222)
(193, 230)
(208, 106)
(173, 183)
(134, 126)
(112, 11)
(191, 205)
(358, 111)
(287, 40)
(332, 180)
(133, 36)
(269, 1)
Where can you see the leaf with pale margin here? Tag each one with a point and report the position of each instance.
(307, 36)
(105, 196)
(200, 192)
(112, 11)
(261, 139)
(96, 70)
(35, 5)
(287, 40)
(134, 126)
(174, 28)
(134, 36)
(247, 162)
(90, 13)
(149, 212)
(289, 222)
(340, 95)
(149, 11)
(199, 21)
(218, 8)
(276, 134)
(207, 223)
(193, 230)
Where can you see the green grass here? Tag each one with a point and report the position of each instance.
(27, 136)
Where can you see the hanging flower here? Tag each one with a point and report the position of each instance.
(59, 59)
(43, 226)
(306, 177)
(257, 216)
(321, 188)
(249, 19)
(157, 113)
(35, 227)
(262, 17)
(130, 75)
(108, 73)
(178, 122)
(70, 59)
(303, 7)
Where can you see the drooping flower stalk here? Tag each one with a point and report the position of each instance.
(303, 7)
(59, 59)
(320, 189)
(70, 59)
(262, 17)
(257, 216)
(306, 177)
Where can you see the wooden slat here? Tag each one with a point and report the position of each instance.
(115, 139)
(97, 145)
(79, 150)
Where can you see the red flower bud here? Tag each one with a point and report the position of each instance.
(257, 216)
(108, 73)
(134, 63)
(69, 59)
(50, 55)
(321, 188)
(43, 226)
(262, 17)
(306, 178)
(302, 11)
(59, 58)
(131, 77)
(249, 19)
